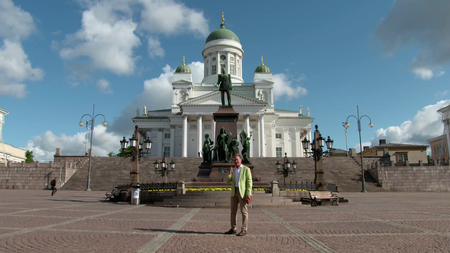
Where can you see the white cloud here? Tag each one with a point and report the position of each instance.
(284, 87)
(425, 125)
(154, 48)
(419, 23)
(156, 94)
(15, 67)
(171, 18)
(107, 42)
(16, 24)
(44, 146)
(104, 86)
(423, 73)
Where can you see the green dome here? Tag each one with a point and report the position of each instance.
(262, 68)
(222, 34)
(183, 68)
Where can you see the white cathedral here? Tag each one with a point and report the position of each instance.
(180, 130)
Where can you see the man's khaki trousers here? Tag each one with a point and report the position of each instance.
(235, 200)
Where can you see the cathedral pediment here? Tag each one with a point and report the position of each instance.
(214, 99)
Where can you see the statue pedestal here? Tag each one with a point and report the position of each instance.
(227, 118)
(218, 172)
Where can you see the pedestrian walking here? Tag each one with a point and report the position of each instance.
(53, 184)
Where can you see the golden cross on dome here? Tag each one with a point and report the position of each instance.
(183, 61)
(223, 19)
(262, 60)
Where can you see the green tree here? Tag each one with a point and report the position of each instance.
(29, 156)
(111, 154)
(430, 161)
(126, 153)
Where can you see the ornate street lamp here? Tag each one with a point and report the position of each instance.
(347, 125)
(286, 168)
(165, 167)
(316, 147)
(92, 116)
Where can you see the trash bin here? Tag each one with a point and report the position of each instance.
(135, 197)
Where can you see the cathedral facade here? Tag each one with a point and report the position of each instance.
(180, 130)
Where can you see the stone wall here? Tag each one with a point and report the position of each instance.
(34, 176)
(411, 178)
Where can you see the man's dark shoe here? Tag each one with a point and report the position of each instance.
(230, 232)
(242, 233)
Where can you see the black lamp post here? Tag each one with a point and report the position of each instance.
(138, 150)
(165, 167)
(347, 125)
(316, 147)
(144, 148)
(92, 116)
(286, 168)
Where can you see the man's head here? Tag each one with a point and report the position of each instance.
(237, 159)
(224, 71)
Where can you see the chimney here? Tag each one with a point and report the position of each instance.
(382, 141)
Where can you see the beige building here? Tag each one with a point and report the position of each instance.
(9, 153)
(445, 112)
(399, 153)
(439, 149)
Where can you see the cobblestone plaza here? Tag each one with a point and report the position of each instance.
(76, 221)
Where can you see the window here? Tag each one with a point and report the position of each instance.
(232, 69)
(222, 65)
(402, 157)
(278, 136)
(279, 151)
(231, 58)
(167, 135)
(214, 59)
(214, 70)
(167, 151)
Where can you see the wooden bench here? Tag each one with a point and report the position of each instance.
(318, 196)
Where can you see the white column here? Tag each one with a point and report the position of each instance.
(274, 140)
(172, 140)
(247, 124)
(160, 141)
(261, 136)
(199, 133)
(285, 141)
(298, 143)
(213, 138)
(184, 137)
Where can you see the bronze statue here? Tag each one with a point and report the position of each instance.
(224, 80)
(245, 140)
(222, 145)
(206, 153)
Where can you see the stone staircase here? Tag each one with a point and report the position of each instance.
(107, 172)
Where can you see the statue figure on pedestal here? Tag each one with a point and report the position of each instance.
(245, 140)
(224, 84)
(233, 147)
(207, 144)
(222, 145)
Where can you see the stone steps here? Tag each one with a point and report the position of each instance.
(107, 172)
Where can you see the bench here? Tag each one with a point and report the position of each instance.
(318, 196)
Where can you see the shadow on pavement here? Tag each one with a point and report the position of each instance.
(179, 231)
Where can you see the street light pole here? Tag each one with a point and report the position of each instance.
(88, 188)
(358, 119)
(346, 141)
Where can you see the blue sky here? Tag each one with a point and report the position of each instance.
(59, 57)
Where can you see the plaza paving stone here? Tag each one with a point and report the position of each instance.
(71, 221)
